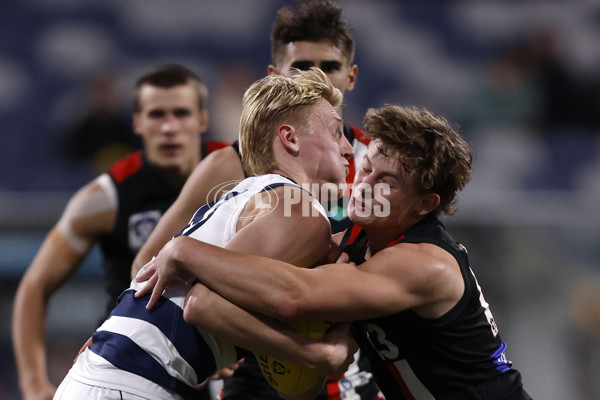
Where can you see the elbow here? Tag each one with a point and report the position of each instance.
(189, 314)
(194, 307)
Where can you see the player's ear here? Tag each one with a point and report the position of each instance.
(288, 138)
(135, 123)
(352, 74)
(203, 121)
(429, 202)
(272, 70)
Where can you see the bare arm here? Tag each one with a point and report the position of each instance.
(419, 276)
(206, 310)
(208, 182)
(89, 213)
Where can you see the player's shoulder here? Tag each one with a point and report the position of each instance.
(126, 167)
(222, 164)
(100, 192)
(301, 209)
(221, 156)
(426, 263)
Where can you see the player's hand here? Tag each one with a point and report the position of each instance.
(343, 258)
(87, 344)
(342, 348)
(160, 272)
(333, 253)
(228, 371)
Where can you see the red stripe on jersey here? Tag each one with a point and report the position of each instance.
(351, 172)
(400, 381)
(393, 242)
(212, 146)
(354, 233)
(333, 389)
(359, 134)
(126, 167)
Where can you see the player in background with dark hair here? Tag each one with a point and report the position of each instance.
(117, 210)
(313, 34)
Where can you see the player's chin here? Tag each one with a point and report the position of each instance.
(357, 213)
(169, 161)
(332, 189)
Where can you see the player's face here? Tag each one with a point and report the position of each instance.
(383, 193)
(323, 55)
(323, 147)
(170, 125)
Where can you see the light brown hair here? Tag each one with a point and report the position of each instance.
(429, 149)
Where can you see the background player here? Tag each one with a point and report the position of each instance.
(117, 210)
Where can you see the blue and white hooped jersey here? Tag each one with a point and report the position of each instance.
(156, 354)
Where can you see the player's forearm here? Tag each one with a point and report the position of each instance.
(209, 311)
(256, 283)
(29, 319)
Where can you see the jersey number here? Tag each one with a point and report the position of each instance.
(386, 349)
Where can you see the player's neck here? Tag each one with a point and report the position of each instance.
(298, 175)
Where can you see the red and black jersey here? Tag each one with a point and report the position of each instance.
(143, 194)
(459, 355)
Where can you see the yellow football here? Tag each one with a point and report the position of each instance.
(289, 377)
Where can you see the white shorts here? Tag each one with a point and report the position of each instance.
(71, 389)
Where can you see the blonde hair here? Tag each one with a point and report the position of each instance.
(431, 151)
(275, 100)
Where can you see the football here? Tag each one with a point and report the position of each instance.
(289, 377)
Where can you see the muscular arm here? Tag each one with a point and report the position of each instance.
(206, 310)
(208, 182)
(90, 212)
(419, 276)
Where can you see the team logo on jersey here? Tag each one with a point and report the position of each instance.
(140, 227)
(262, 204)
(217, 191)
(499, 357)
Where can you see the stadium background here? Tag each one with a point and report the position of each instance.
(529, 218)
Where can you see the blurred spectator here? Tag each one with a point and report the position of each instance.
(529, 87)
(569, 115)
(103, 135)
(585, 336)
(505, 95)
(568, 99)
